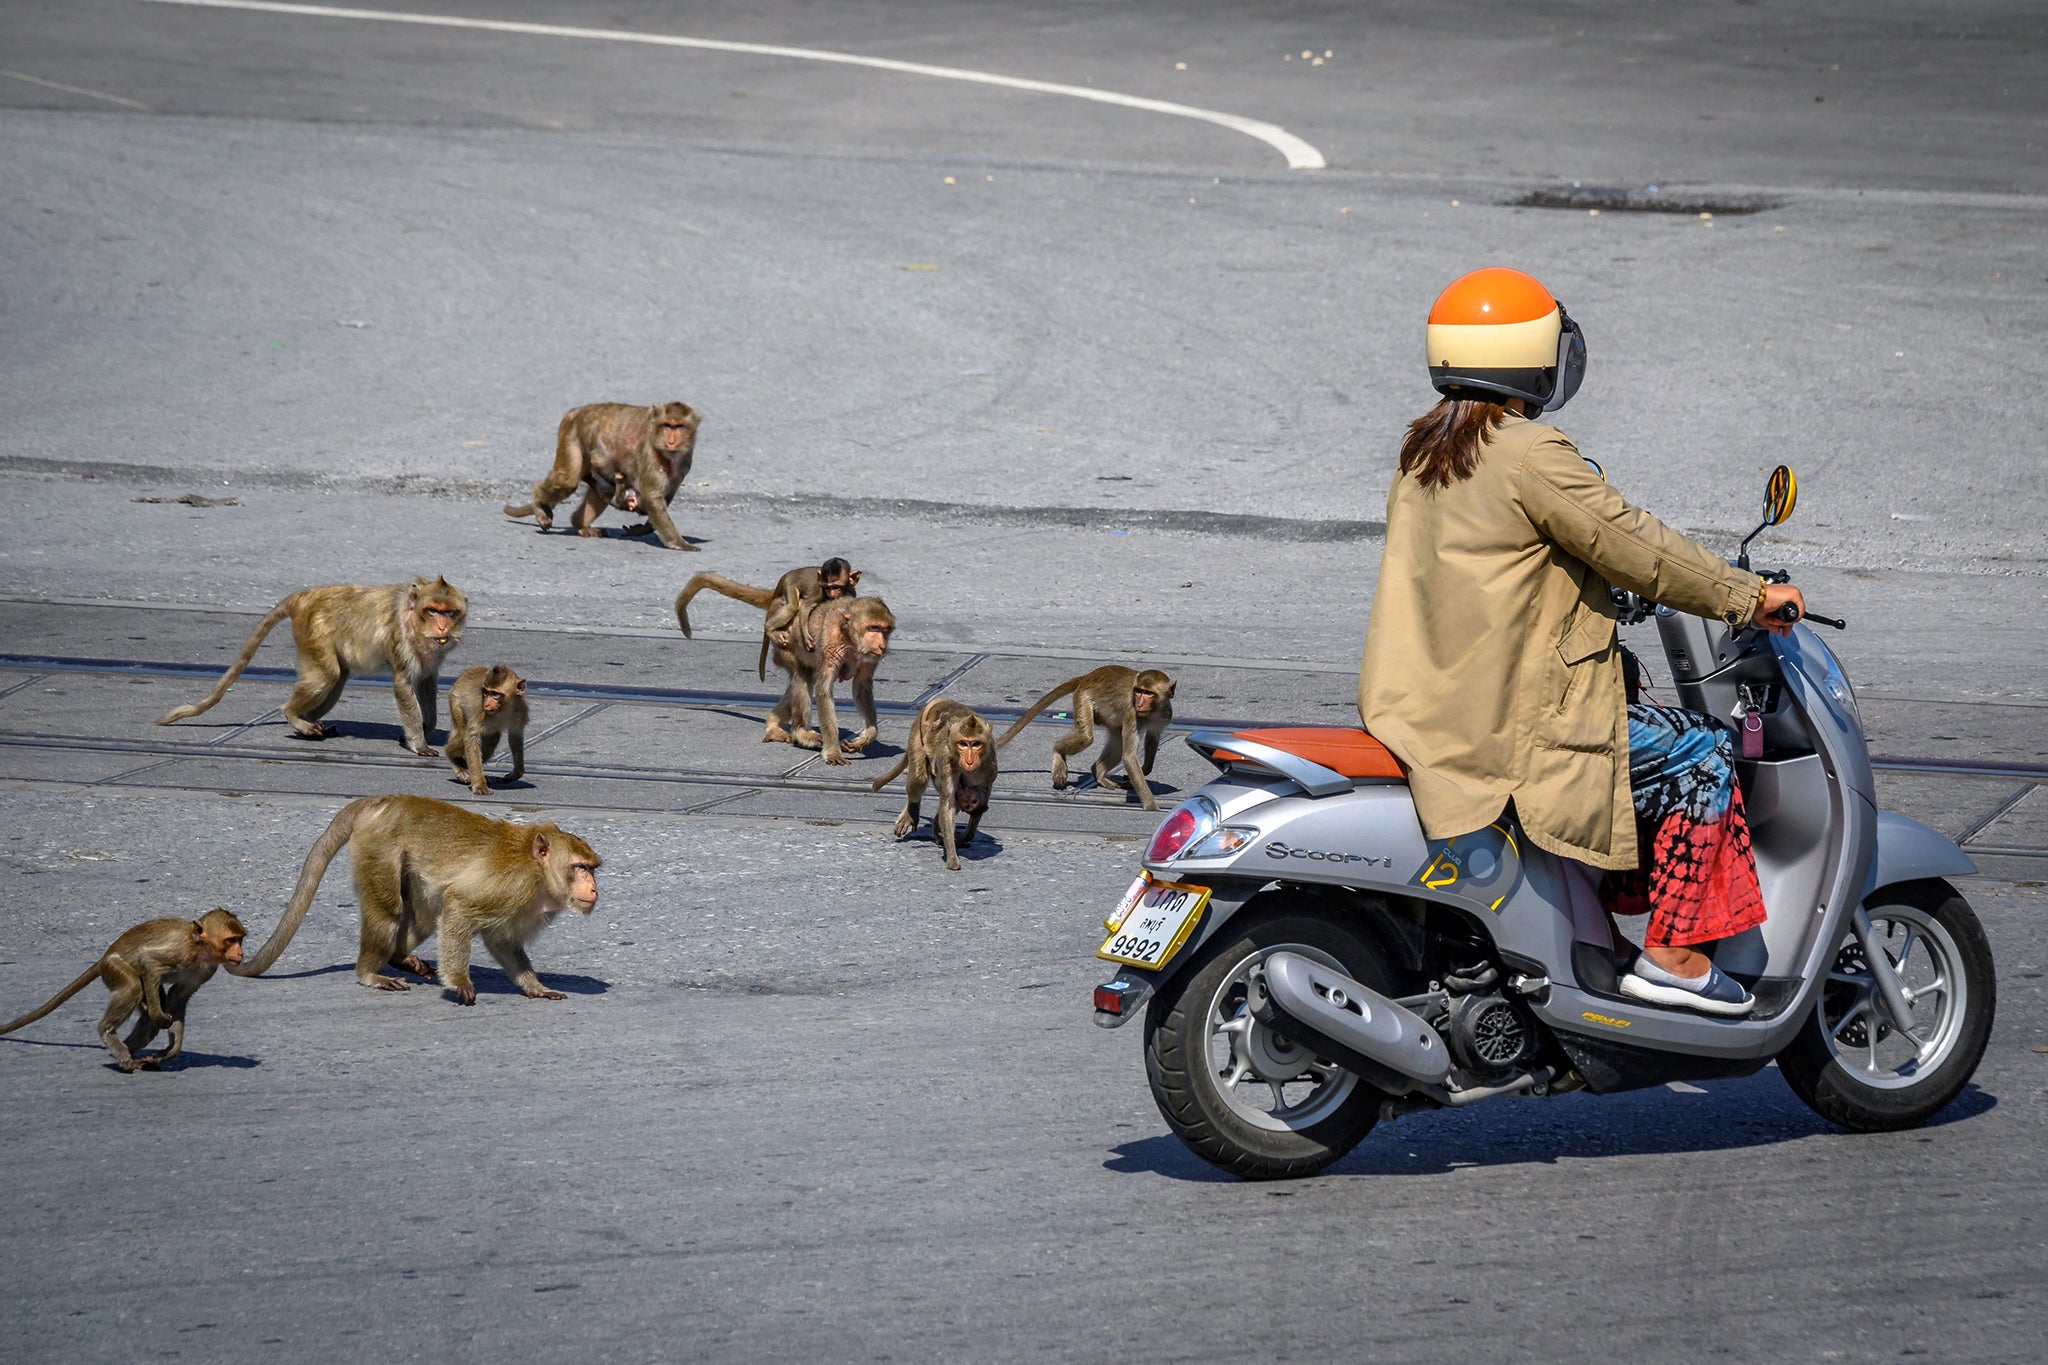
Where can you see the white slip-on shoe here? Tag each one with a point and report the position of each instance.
(1714, 993)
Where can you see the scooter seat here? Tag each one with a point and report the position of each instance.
(1345, 750)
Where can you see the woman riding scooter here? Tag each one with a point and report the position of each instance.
(1491, 665)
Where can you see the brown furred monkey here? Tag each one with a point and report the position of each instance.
(626, 456)
(799, 588)
(483, 704)
(154, 967)
(837, 640)
(423, 866)
(350, 628)
(1129, 704)
(949, 746)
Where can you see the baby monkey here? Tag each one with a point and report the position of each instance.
(483, 704)
(154, 967)
(951, 748)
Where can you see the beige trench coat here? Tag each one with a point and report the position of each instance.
(1491, 666)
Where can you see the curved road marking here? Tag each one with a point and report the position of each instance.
(1300, 155)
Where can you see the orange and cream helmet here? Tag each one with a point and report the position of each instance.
(1498, 333)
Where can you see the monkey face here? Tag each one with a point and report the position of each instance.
(494, 701)
(1143, 699)
(874, 639)
(219, 937)
(970, 752)
(569, 867)
(677, 423)
(836, 588)
(970, 800)
(441, 620)
(583, 887)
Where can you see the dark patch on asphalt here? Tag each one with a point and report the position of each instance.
(1111, 520)
(1615, 200)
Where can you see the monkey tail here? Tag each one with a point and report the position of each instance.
(757, 598)
(761, 664)
(886, 778)
(1047, 700)
(325, 847)
(227, 679)
(86, 978)
(523, 510)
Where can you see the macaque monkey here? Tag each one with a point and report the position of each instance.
(483, 704)
(154, 967)
(1128, 703)
(837, 640)
(423, 866)
(627, 457)
(799, 588)
(949, 747)
(403, 627)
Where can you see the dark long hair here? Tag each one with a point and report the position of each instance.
(1442, 445)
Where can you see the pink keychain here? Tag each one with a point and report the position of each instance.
(1753, 733)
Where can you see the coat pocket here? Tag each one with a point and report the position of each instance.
(1581, 651)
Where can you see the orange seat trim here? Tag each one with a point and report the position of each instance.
(1344, 750)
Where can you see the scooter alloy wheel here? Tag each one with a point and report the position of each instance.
(1245, 1096)
(1857, 1064)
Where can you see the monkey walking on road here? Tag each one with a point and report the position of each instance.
(424, 867)
(154, 967)
(625, 456)
(793, 593)
(404, 627)
(1129, 704)
(949, 747)
(483, 704)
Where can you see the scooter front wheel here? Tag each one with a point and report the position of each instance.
(1854, 1062)
(1240, 1094)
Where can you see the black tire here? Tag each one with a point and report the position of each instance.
(1187, 1086)
(1872, 1097)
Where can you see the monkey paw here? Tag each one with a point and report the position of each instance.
(386, 983)
(480, 788)
(905, 823)
(837, 759)
(425, 750)
(544, 521)
(464, 994)
(808, 739)
(591, 532)
(417, 966)
(545, 994)
(131, 1066)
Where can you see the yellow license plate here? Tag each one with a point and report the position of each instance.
(1153, 931)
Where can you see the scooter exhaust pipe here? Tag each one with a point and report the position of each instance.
(1349, 1022)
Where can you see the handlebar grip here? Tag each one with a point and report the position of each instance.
(1789, 613)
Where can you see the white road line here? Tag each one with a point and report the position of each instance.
(1300, 155)
(75, 90)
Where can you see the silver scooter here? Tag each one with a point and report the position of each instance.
(1308, 963)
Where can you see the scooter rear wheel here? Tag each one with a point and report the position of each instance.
(1852, 1062)
(1244, 1096)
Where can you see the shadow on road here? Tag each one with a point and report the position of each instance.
(188, 1060)
(1655, 1122)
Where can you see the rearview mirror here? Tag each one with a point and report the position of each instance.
(1781, 493)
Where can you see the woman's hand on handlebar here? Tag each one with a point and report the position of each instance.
(1775, 596)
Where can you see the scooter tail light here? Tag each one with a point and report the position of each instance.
(1191, 819)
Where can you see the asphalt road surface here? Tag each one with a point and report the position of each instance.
(291, 298)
